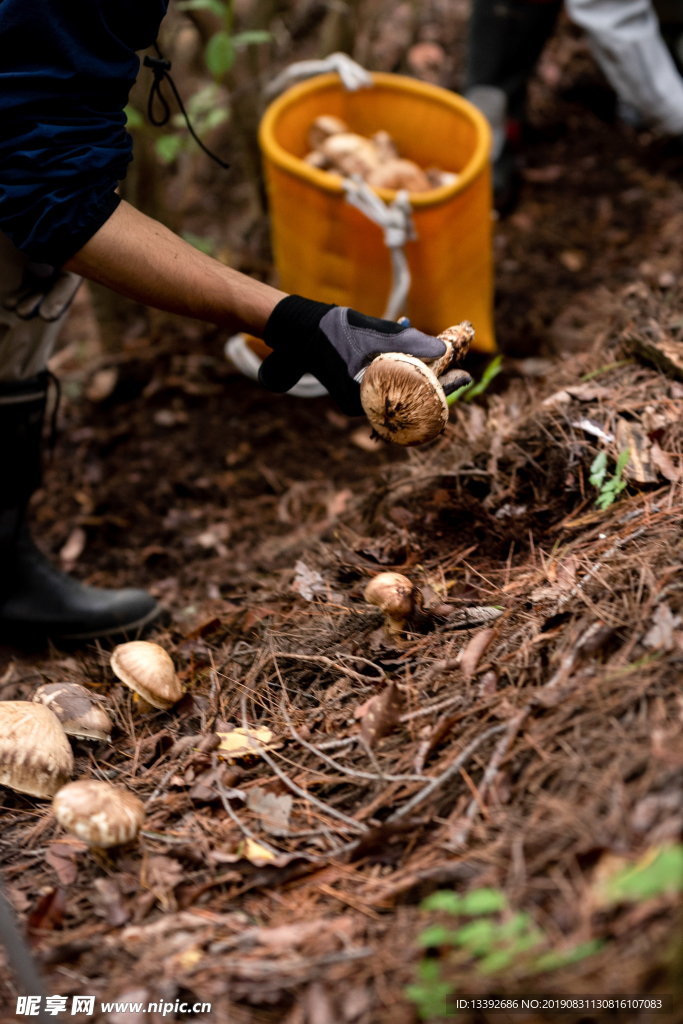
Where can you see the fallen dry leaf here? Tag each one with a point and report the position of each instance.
(61, 855)
(661, 632)
(382, 714)
(639, 466)
(664, 463)
(274, 811)
(475, 650)
(255, 853)
(236, 743)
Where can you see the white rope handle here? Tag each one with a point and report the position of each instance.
(397, 221)
(353, 76)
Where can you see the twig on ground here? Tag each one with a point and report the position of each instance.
(337, 765)
(453, 769)
(326, 808)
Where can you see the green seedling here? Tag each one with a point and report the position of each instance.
(221, 49)
(470, 391)
(494, 940)
(609, 487)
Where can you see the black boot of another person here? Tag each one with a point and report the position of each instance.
(37, 600)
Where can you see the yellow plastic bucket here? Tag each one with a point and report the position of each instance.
(327, 250)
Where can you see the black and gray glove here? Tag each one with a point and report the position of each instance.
(335, 344)
(44, 292)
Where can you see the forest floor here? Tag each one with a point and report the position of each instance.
(528, 730)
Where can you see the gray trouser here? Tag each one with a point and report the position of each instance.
(25, 345)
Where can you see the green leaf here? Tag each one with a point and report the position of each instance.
(496, 961)
(435, 936)
(477, 937)
(445, 899)
(622, 460)
(431, 1000)
(134, 118)
(648, 877)
(553, 960)
(516, 925)
(253, 36)
(455, 396)
(219, 54)
(215, 6)
(214, 118)
(206, 245)
(491, 371)
(598, 469)
(483, 901)
(167, 147)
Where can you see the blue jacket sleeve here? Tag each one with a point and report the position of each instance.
(67, 68)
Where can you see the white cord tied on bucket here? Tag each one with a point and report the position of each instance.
(396, 218)
(397, 222)
(352, 75)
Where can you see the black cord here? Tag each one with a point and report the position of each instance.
(161, 68)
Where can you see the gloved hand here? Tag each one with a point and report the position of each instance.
(44, 292)
(335, 344)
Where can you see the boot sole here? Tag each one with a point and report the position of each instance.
(124, 630)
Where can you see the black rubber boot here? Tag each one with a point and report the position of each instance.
(505, 40)
(37, 600)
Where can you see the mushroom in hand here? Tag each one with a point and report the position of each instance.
(98, 813)
(35, 755)
(148, 670)
(404, 397)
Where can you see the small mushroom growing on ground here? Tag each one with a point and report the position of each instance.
(98, 813)
(403, 397)
(396, 596)
(75, 708)
(148, 670)
(35, 755)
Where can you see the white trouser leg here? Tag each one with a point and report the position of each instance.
(25, 345)
(628, 46)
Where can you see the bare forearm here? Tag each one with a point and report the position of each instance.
(139, 257)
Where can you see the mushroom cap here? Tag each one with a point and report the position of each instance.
(403, 399)
(147, 669)
(98, 813)
(35, 755)
(392, 593)
(397, 174)
(74, 707)
(350, 153)
(323, 127)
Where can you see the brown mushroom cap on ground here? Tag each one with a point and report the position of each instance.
(403, 399)
(35, 755)
(75, 708)
(98, 813)
(148, 670)
(395, 595)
